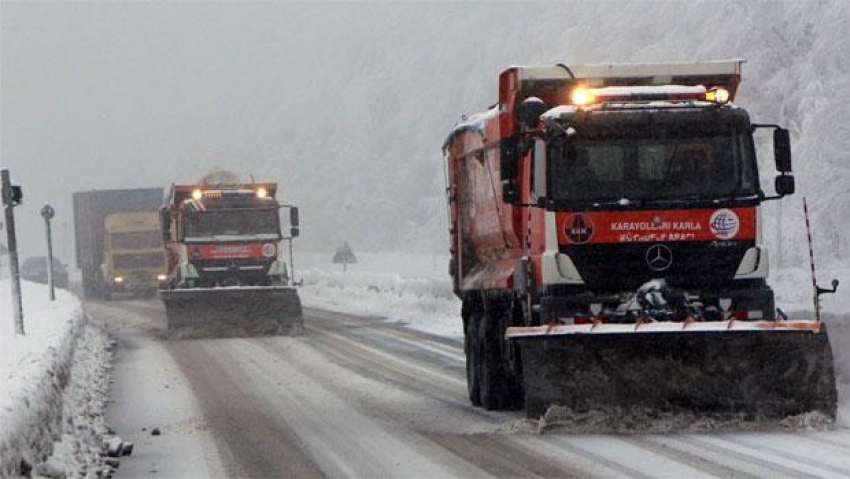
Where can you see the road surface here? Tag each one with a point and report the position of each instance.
(361, 397)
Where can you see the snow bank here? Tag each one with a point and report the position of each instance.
(424, 304)
(411, 289)
(38, 417)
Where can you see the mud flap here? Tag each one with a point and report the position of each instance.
(751, 373)
(232, 312)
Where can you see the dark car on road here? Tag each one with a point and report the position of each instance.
(35, 269)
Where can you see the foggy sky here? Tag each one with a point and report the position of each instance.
(99, 95)
(346, 104)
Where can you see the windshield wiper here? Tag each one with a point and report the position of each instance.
(735, 198)
(622, 202)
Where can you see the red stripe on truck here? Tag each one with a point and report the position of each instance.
(707, 224)
(228, 251)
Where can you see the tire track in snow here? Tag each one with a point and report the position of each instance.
(442, 351)
(845, 445)
(670, 450)
(486, 451)
(764, 463)
(249, 437)
(360, 362)
(787, 446)
(598, 456)
(343, 439)
(500, 456)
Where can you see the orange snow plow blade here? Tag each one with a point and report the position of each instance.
(232, 312)
(749, 369)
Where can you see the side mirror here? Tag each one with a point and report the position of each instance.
(784, 185)
(17, 195)
(782, 150)
(293, 222)
(529, 111)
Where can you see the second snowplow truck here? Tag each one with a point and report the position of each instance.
(606, 246)
(226, 270)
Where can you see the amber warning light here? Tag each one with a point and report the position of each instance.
(582, 96)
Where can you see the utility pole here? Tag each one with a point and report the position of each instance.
(47, 213)
(12, 196)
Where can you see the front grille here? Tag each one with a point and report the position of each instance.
(619, 267)
(139, 260)
(141, 276)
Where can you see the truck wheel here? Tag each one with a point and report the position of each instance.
(473, 368)
(499, 390)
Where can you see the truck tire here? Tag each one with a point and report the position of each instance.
(499, 390)
(472, 349)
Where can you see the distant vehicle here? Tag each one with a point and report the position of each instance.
(119, 249)
(35, 269)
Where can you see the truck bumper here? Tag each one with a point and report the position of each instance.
(756, 300)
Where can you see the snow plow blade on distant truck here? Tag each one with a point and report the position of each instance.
(606, 246)
(227, 276)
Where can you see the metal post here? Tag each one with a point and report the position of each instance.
(47, 213)
(12, 246)
(291, 266)
(812, 262)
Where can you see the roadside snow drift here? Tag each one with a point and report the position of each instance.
(53, 386)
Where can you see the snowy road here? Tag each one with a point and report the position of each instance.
(359, 397)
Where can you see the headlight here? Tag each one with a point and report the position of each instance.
(582, 96)
(118, 279)
(718, 95)
(161, 277)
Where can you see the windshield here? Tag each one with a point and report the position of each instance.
(262, 223)
(647, 169)
(136, 240)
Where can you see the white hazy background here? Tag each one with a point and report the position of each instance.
(346, 104)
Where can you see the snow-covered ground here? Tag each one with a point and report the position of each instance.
(413, 289)
(55, 378)
(53, 387)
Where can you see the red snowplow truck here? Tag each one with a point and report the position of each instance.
(606, 246)
(226, 270)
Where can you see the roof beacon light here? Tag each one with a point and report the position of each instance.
(718, 95)
(261, 192)
(197, 194)
(582, 96)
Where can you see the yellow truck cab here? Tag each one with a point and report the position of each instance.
(133, 257)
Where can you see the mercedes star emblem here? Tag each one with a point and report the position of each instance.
(659, 257)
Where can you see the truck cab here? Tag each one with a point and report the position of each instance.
(612, 176)
(133, 260)
(224, 235)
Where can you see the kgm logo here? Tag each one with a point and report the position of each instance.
(724, 224)
(578, 228)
